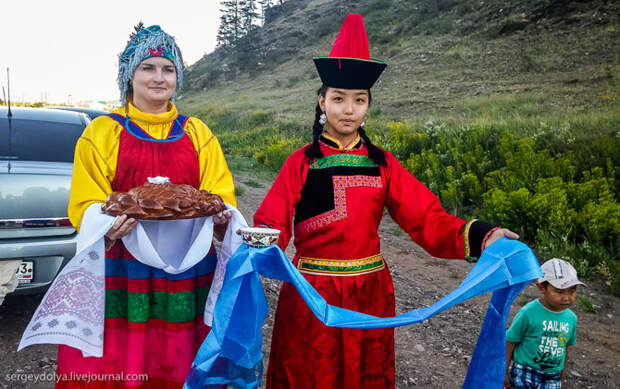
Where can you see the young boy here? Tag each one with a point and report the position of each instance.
(541, 331)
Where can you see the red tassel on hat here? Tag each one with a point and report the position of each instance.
(352, 41)
(349, 65)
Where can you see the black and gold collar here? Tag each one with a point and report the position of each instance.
(335, 143)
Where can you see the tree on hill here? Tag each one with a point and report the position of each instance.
(238, 20)
(264, 5)
(248, 45)
(249, 15)
(229, 31)
(238, 31)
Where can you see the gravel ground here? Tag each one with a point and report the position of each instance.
(433, 354)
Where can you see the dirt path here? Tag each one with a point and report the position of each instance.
(436, 353)
(429, 355)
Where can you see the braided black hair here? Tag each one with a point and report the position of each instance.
(375, 153)
(314, 150)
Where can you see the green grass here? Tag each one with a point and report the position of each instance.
(253, 184)
(398, 231)
(452, 72)
(262, 134)
(239, 190)
(532, 113)
(240, 165)
(587, 304)
(439, 54)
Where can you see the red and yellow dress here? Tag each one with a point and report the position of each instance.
(153, 320)
(334, 205)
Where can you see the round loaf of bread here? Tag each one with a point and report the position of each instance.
(163, 202)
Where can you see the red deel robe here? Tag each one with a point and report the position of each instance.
(335, 205)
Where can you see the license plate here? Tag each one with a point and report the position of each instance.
(25, 272)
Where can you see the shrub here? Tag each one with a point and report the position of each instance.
(544, 187)
(586, 304)
(257, 118)
(274, 155)
(615, 285)
(253, 183)
(239, 191)
(555, 180)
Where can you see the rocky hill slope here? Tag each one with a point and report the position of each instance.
(439, 52)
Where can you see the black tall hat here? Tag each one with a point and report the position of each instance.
(349, 65)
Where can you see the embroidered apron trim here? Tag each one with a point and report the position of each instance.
(342, 160)
(340, 267)
(341, 183)
(176, 131)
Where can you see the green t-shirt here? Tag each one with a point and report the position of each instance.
(543, 336)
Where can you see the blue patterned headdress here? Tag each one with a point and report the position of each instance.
(149, 42)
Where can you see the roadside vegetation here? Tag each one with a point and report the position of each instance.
(38, 104)
(509, 113)
(553, 177)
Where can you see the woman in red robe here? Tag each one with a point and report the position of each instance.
(332, 194)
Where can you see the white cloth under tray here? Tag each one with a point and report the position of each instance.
(72, 311)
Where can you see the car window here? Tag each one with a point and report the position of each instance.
(36, 140)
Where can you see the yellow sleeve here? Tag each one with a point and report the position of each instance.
(94, 167)
(214, 174)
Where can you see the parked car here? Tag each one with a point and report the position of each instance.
(36, 163)
(91, 112)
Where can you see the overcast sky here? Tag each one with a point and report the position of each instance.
(68, 49)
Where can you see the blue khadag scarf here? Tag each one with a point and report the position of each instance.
(232, 352)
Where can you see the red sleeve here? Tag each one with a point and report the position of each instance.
(418, 211)
(278, 207)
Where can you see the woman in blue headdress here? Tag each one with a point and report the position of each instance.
(153, 320)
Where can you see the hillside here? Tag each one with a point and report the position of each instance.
(441, 55)
(508, 110)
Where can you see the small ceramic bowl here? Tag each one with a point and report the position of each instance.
(259, 237)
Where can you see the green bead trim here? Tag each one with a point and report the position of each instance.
(471, 259)
(356, 59)
(341, 269)
(343, 160)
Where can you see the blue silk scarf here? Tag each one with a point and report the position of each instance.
(232, 353)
